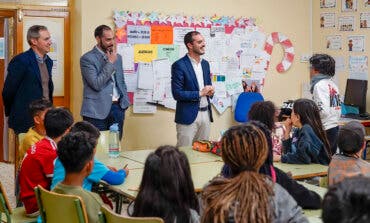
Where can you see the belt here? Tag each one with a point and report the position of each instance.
(115, 102)
(203, 108)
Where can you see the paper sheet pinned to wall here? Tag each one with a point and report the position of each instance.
(145, 52)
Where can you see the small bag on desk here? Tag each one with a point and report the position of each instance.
(216, 148)
(202, 145)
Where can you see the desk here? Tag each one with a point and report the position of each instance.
(193, 156)
(343, 121)
(201, 173)
(314, 216)
(118, 162)
(303, 171)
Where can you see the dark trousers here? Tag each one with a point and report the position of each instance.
(116, 115)
(332, 135)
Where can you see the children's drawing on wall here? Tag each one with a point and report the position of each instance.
(356, 43)
(349, 5)
(367, 3)
(346, 23)
(358, 67)
(327, 20)
(334, 42)
(365, 20)
(327, 3)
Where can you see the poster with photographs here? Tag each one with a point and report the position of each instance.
(327, 3)
(365, 20)
(346, 23)
(367, 3)
(334, 42)
(356, 43)
(327, 20)
(349, 5)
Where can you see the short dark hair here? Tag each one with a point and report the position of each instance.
(188, 38)
(263, 111)
(166, 189)
(39, 105)
(100, 30)
(323, 63)
(351, 138)
(347, 201)
(84, 126)
(57, 121)
(75, 150)
(34, 32)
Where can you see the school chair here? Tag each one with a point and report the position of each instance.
(9, 215)
(108, 216)
(367, 139)
(60, 208)
(244, 104)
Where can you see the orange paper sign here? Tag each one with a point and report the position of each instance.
(161, 35)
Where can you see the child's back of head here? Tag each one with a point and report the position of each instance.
(57, 122)
(348, 201)
(351, 138)
(84, 126)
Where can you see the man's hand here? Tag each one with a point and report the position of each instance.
(207, 90)
(112, 55)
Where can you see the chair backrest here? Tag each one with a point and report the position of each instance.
(4, 204)
(103, 142)
(110, 217)
(60, 208)
(244, 103)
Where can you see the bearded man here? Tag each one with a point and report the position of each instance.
(105, 97)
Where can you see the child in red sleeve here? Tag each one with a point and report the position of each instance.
(38, 164)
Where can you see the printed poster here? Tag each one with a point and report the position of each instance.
(334, 42)
(327, 20)
(346, 23)
(349, 5)
(365, 20)
(327, 3)
(138, 34)
(145, 52)
(358, 67)
(127, 53)
(179, 33)
(356, 43)
(141, 97)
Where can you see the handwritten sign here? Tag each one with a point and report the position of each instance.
(161, 35)
(145, 52)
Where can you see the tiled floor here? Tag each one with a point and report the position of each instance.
(7, 179)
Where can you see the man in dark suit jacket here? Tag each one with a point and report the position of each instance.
(28, 79)
(105, 98)
(191, 88)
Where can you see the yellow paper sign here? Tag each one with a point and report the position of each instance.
(145, 52)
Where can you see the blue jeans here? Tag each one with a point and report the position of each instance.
(116, 115)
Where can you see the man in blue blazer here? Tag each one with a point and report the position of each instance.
(105, 97)
(28, 79)
(191, 88)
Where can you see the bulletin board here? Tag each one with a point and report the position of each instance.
(237, 49)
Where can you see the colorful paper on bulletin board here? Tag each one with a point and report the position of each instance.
(138, 34)
(168, 51)
(121, 35)
(145, 52)
(161, 35)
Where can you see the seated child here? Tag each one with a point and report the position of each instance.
(348, 163)
(247, 196)
(38, 164)
(38, 109)
(265, 112)
(347, 201)
(166, 189)
(308, 143)
(76, 152)
(99, 172)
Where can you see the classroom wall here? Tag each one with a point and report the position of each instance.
(291, 17)
(320, 34)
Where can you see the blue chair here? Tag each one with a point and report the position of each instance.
(244, 103)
